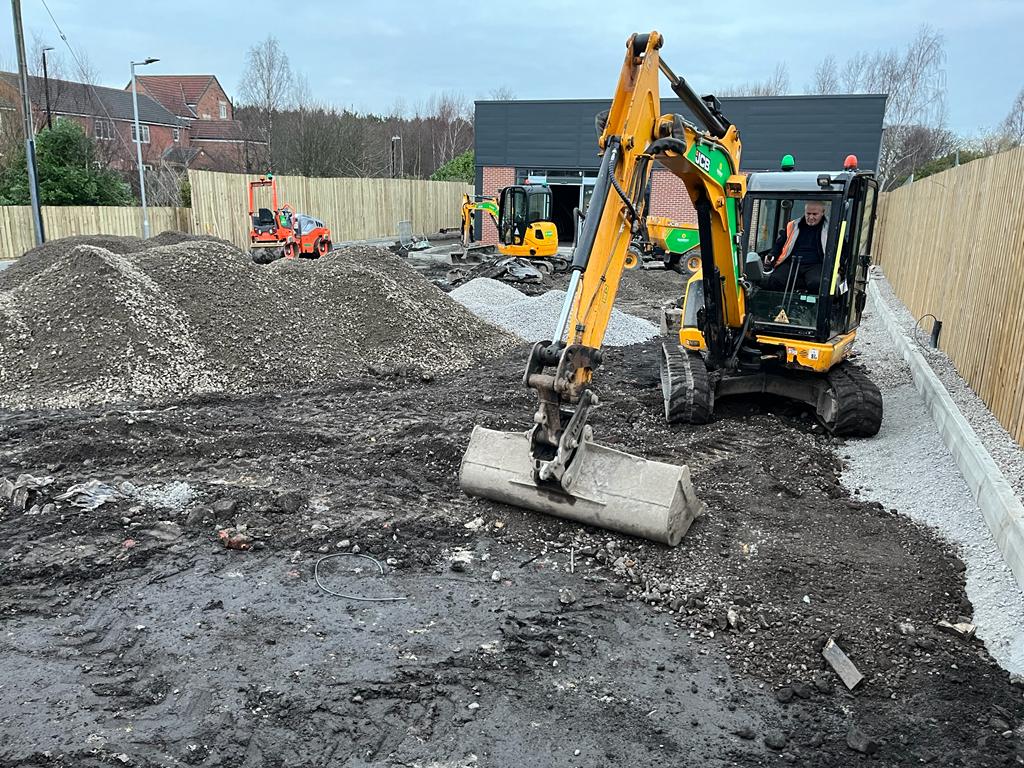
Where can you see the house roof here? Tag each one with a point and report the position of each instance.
(179, 93)
(180, 155)
(67, 97)
(219, 130)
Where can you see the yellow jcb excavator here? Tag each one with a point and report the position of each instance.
(556, 467)
(521, 214)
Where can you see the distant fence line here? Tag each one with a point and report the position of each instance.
(354, 209)
(17, 234)
(952, 245)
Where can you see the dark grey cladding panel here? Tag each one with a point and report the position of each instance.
(819, 131)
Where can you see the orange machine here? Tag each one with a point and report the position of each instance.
(280, 232)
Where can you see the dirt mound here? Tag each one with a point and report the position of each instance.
(93, 325)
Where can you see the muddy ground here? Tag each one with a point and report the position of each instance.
(131, 636)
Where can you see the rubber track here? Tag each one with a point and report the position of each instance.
(685, 386)
(858, 400)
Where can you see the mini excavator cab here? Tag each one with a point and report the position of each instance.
(524, 221)
(815, 301)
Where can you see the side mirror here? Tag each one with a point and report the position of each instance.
(754, 268)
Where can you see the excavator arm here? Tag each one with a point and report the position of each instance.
(634, 135)
(556, 467)
(488, 205)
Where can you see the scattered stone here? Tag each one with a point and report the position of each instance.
(224, 508)
(859, 741)
(784, 695)
(495, 576)
(963, 630)
(357, 699)
(816, 741)
(474, 706)
(822, 684)
(618, 591)
(214, 605)
(566, 597)
(198, 516)
(776, 740)
(291, 502)
(459, 566)
(803, 690)
(746, 733)
(906, 628)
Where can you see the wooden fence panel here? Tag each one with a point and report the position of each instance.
(17, 235)
(952, 245)
(354, 208)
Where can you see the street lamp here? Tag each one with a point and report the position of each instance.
(138, 144)
(46, 86)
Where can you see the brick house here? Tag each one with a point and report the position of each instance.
(203, 107)
(106, 114)
(555, 142)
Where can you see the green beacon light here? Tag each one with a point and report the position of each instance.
(270, 176)
(787, 164)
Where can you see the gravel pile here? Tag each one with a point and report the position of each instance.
(533, 318)
(115, 319)
(1008, 456)
(908, 467)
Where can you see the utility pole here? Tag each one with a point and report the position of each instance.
(397, 158)
(30, 139)
(138, 147)
(46, 87)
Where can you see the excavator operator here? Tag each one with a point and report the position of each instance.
(801, 248)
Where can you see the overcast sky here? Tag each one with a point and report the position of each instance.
(371, 55)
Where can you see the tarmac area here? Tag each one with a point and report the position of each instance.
(179, 621)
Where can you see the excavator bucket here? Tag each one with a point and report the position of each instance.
(612, 489)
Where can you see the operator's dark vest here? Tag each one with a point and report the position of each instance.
(791, 232)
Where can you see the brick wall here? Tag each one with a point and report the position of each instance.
(208, 107)
(494, 178)
(669, 197)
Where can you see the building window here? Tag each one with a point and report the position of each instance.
(223, 110)
(177, 134)
(147, 167)
(103, 129)
(145, 133)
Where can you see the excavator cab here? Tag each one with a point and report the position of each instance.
(524, 225)
(824, 298)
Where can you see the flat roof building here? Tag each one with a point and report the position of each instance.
(555, 142)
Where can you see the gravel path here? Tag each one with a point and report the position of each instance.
(533, 318)
(908, 467)
(1004, 450)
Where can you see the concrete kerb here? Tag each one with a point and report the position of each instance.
(1002, 510)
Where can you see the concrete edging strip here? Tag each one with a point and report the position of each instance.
(1002, 510)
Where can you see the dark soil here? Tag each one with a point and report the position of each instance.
(131, 636)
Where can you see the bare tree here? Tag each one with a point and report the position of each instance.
(501, 93)
(776, 84)
(1012, 127)
(915, 111)
(451, 124)
(826, 77)
(267, 86)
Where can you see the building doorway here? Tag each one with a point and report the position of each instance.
(564, 198)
